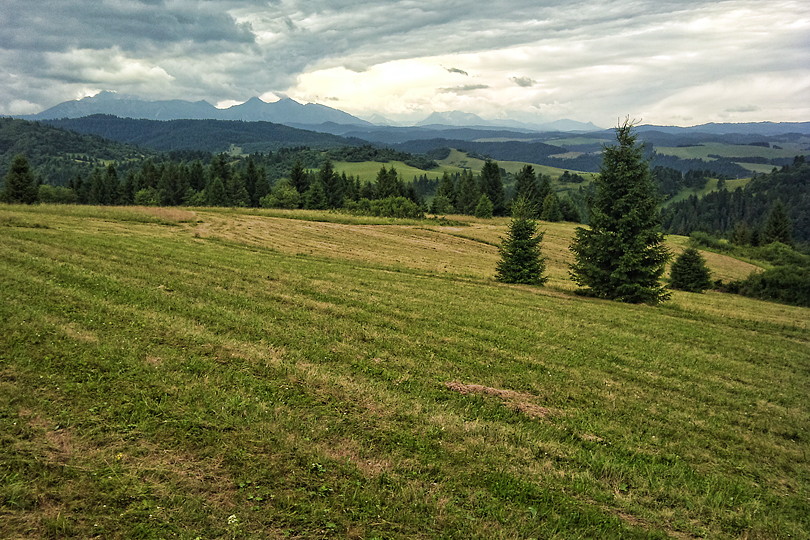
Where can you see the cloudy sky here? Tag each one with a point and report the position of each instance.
(679, 62)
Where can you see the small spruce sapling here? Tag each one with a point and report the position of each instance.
(521, 259)
(689, 272)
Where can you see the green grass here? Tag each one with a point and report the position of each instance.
(462, 160)
(711, 185)
(702, 151)
(229, 375)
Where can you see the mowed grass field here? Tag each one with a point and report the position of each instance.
(193, 373)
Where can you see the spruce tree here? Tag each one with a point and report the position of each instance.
(689, 272)
(468, 193)
(622, 255)
(551, 208)
(521, 260)
(778, 226)
(492, 187)
(20, 186)
(526, 187)
(484, 208)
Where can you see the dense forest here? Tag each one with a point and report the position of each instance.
(741, 215)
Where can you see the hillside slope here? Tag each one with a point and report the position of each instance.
(233, 374)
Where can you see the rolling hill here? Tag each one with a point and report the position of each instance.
(194, 372)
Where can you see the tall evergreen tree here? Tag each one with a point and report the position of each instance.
(315, 197)
(521, 260)
(20, 186)
(388, 183)
(622, 255)
(468, 193)
(778, 227)
(484, 208)
(551, 208)
(447, 189)
(299, 177)
(526, 187)
(492, 187)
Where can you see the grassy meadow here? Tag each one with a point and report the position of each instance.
(199, 373)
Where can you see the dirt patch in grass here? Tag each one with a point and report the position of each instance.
(169, 214)
(518, 401)
(348, 450)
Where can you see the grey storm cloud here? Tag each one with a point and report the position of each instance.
(51, 50)
(464, 88)
(525, 82)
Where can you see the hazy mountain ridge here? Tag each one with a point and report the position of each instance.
(281, 112)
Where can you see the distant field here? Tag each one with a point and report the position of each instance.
(711, 185)
(456, 162)
(703, 151)
(199, 373)
(461, 159)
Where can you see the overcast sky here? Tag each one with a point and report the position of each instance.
(679, 62)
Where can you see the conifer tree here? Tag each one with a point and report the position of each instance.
(778, 227)
(299, 178)
(468, 193)
(484, 208)
(20, 186)
(526, 187)
(551, 208)
(689, 272)
(622, 255)
(447, 189)
(492, 187)
(315, 197)
(216, 194)
(521, 260)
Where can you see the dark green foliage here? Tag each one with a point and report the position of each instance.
(492, 187)
(526, 187)
(388, 183)
(315, 197)
(56, 195)
(787, 284)
(447, 189)
(283, 195)
(521, 259)
(441, 205)
(622, 255)
(689, 272)
(551, 208)
(720, 212)
(396, 207)
(484, 208)
(299, 177)
(216, 194)
(20, 186)
(778, 227)
(468, 193)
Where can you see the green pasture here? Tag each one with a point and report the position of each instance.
(188, 373)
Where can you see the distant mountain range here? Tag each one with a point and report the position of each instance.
(321, 118)
(284, 111)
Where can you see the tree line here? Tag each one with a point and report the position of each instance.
(198, 179)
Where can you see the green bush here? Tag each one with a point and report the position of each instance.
(396, 207)
(787, 284)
